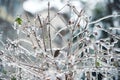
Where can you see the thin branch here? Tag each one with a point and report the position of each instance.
(58, 11)
(60, 31)
(29, 53)
(42, 32)
(63, 20)
(34, 39)
(115, 36)
(109, 16)
(58, 34)
(2, 42)
(49, 34)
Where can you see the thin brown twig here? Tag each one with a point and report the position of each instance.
(42, 32)
(37, 41)
(63, 20)
(49, 34)
(58, 11)
(58, 34)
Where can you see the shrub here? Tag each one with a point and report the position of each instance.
(81, 57)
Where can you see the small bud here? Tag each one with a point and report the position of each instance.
(1, 52)
(86, 31)
(57, 52)
(34, 47)
(58, 78)
(68, 4)
(101, 40)
(78, 25)
(79, 15)
(72, 30)
(98, 26)
(28, 35)
(69, 22)
(105, 54)
(95, 33)
(73, 6)
(111, 40)
(112, 59)
(73, 22)
(58, 13)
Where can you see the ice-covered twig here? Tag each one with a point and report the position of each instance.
(103, 18)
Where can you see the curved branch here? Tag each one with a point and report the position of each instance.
(109, 16)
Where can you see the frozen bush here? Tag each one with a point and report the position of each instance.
(33, 55)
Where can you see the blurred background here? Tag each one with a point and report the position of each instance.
(10, 9)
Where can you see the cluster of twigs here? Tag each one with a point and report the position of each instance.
(35, 53)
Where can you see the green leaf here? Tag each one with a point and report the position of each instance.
(18, 20)
(4, 71)
(13, 78)
(97, 64)
(116, 64)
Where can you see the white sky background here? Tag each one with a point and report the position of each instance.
(34, 6)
